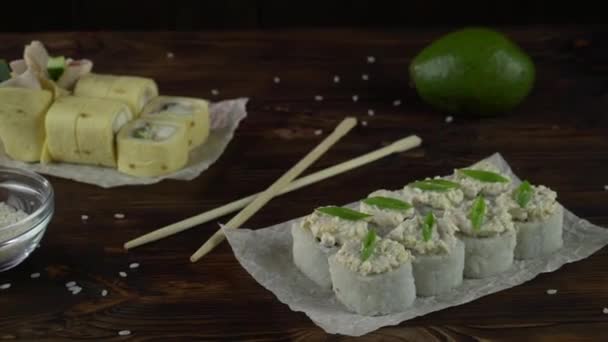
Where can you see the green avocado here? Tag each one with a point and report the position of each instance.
(474, 71)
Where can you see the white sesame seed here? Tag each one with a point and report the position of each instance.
(124, 333)
(122, 274)
(318, 98)
(318, 132)
(215, 92)
(104, 293)
(365, 77)
(35, 275)
(170, 55)
(397, 103)
(277, 79)
(371, 59)
(336, 79)
(606, 187)
(134, 265)
(449, 119)
(70, 284)
(84, 217)
(605, 311)
(119, 216)
(355, 98)
(551, 291)
(5, 286)
(75, 290)
(371, 112)
(363, 123)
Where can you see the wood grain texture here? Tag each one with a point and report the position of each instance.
(558, 137)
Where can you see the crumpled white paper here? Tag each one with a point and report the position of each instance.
(266, 255)
(225, 119)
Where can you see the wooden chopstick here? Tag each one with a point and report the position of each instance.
(172, 229)
(344, 127)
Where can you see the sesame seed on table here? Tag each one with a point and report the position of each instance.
(301, 83)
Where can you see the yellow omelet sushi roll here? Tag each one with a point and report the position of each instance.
(150, 147)
(132, 90)
(82, 130)
(190, 111)
(22, 113)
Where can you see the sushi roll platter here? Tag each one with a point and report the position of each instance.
(55, 111)
(426, 239)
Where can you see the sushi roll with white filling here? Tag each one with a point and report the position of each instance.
(151, 148)
(388, 212)
(538, 219)
(438, 255)
(320, 234)
(190, 111)
(483, 178)
(489, 236)
(373, 276)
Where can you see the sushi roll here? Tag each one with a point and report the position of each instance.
(434, 194)
(135, 91)
(190, 111)
(151, 147)
(538, 219)
(488, 234)
(438, 255)
(82, 130)
(22, 114)
(387, 211)
(373, 276)
(483, 178)
(320, 235)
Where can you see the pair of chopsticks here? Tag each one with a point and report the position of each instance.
(286, 183)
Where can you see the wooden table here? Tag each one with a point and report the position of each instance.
(558, 137)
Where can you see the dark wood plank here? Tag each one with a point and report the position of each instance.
(557, 137)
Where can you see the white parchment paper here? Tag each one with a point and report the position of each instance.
(225, 119)
(266, 255)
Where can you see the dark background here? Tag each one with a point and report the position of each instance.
(74, 15)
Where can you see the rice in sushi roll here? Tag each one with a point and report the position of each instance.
(320, 235)
(538, 219)
(489, 236)
(388, 211)
(373, 276)
(438, 255)
(483, 178)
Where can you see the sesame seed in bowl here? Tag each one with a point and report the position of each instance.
(26, 208)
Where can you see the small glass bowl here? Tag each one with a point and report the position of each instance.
(27, 191)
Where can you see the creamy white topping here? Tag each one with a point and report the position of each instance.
(497, 219)
(387, 256)
(409, 234)
(403, 195)
(541, 206)
(436, 199)
(385, 217)
(472, 187)
(332, 230)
